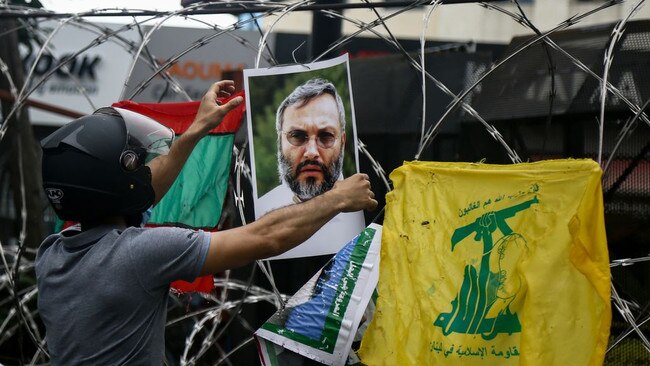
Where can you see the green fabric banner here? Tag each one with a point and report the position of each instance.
(196, 197)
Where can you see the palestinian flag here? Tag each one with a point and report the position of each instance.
(196, 198)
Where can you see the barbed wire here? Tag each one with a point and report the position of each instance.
(209, 323)
(616, 36)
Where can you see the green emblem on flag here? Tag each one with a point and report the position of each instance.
(486, 302)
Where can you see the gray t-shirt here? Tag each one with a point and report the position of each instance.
(102, 293)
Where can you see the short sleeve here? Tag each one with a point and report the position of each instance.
(163, 255)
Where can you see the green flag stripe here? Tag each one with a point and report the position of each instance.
(196, 197)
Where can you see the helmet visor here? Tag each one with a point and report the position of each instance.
(144, 136)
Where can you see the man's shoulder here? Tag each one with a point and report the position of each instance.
(159, 234)
(45, 245)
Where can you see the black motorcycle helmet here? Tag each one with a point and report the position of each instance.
(94, 167)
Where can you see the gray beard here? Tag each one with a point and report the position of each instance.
(310, 188)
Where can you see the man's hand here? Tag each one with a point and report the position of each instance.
(354, 194)
(210, 113)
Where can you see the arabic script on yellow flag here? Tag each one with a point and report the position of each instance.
(492, 265)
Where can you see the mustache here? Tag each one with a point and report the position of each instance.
(303, 164)
(310, 188)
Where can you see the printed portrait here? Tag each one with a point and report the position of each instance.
(302, 138)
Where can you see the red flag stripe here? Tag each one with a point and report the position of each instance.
(179, 116)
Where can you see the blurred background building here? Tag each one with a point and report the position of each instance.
(541, 101)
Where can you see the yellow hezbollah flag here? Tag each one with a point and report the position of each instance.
(492, 265)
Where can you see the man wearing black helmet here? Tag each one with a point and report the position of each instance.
(103, 285)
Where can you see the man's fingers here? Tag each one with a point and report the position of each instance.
(213, 89)
(227, 90)
(220, 85)
(372, 205)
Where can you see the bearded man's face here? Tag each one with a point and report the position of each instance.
(311, 155)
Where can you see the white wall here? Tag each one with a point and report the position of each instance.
(463, 22)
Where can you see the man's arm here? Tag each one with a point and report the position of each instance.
(284, 228)
(165, 168)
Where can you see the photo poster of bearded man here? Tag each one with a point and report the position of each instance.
(302, 139)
